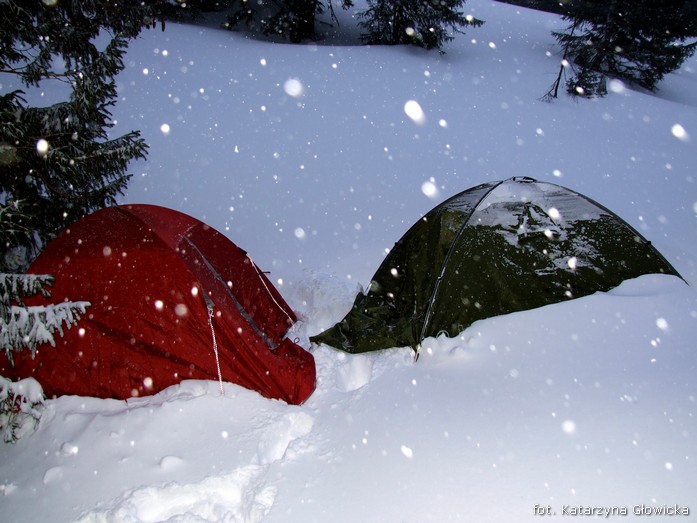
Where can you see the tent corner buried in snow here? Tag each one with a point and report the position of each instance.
(496, 248)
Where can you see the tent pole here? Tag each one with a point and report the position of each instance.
(451, 249)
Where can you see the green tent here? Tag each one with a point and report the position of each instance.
(497, 248)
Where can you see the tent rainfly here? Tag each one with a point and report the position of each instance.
(171, 299)
(496, 248)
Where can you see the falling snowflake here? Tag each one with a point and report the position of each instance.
(680, 133)
(294, 87)
(413, 110)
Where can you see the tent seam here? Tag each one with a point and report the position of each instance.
(239, 306)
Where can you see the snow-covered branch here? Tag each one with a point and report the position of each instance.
(17, 286)
(20, 407)
(22, 326)
(32, 326)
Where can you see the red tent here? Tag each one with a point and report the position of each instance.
(152, 275)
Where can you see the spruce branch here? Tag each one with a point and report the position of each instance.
(27, 327)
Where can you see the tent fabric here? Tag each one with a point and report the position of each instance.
(150, 274)
(497, 248)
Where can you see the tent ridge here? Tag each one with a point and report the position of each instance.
(130, 211)
(439, 279)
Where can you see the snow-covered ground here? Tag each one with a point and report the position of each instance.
(316, 159)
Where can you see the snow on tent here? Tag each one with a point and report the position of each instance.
(152, 276)
(497, 248)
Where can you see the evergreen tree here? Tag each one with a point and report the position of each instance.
(59, 161)
(294, 20)
(25, 327)
(637, 41)
(14, 234)
(424, 24)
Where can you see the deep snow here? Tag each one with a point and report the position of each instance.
(316, 159)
